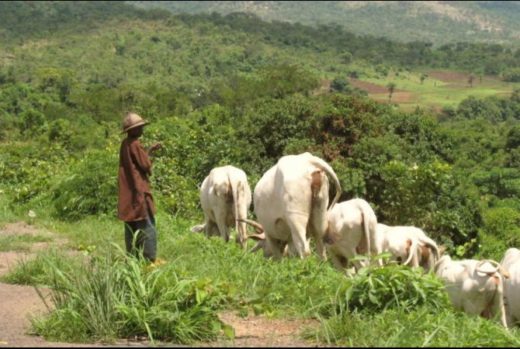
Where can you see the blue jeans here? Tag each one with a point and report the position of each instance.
(145, 239)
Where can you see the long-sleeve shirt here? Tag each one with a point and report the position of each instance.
(135, 168)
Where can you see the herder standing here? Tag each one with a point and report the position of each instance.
(136, 206)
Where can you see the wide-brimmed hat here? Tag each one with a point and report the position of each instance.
(132, 120)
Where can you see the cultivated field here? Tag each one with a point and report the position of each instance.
(440, 89)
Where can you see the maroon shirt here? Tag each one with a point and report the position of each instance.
(135, 169)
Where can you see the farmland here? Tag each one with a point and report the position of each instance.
(441, 89)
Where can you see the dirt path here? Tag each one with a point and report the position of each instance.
(19, 303)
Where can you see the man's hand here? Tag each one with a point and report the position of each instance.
(154, 147)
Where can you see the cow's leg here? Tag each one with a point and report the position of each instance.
(318, 226)
(350, 252)
(298, 226)
(210, 228)
(222, 227)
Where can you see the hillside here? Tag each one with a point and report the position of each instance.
(438, 22)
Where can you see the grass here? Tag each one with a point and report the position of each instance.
(109, 296)
(422, 327)
(20, 242)
(38, 271)
(120, 297)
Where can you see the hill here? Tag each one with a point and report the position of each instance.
(438, 22)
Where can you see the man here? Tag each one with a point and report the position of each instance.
(136, 206)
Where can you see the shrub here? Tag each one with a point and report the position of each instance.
(375, 289)
(118, 297)
(90, 188)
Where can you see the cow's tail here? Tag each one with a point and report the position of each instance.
(366, 228)
(328, 169)
(413, 250)
(237, 193)
(433, 247)
(498, 299)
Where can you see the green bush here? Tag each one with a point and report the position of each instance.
(89, 188)
(375, 289)
(118, 297)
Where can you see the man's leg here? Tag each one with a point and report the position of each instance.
(150, 238)
(130, 228)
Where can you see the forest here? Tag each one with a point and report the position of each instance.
(233, 89)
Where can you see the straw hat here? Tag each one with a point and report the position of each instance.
(131, 121)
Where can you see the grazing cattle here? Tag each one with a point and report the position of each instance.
(225, 197)
(291, 202)
(511, 262)
(351, 230)
(476, 287)
(409, 245)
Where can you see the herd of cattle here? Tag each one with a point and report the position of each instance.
(291, 205)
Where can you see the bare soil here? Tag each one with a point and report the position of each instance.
(19, 303)
(369, 87)
(449, 77)
(399, 96)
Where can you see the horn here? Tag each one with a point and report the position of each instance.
(256, 236)
(490, 261)
(258, 227)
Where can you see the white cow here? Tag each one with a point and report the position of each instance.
(476, 287)
(351, 230)
(511, 262)
(225, 197)
(290, 203)
(409, 245)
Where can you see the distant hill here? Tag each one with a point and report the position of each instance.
(438, 22)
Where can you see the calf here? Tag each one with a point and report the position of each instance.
(476, 287)
(511, 262)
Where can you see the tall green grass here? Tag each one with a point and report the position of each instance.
(421, 327)
(116, 296)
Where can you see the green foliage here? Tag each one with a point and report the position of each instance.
(119, 297)
(511, 75)
(500, 232)
(254, 283)
(90, 187)
(375, 289)
(422, 327)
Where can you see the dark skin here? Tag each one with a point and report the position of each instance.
(138, 132)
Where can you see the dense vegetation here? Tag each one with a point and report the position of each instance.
(441, 22)
(236, 90)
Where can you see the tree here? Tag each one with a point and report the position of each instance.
(391, 89)
(340, 84)
(471, 78)
(423, 77)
